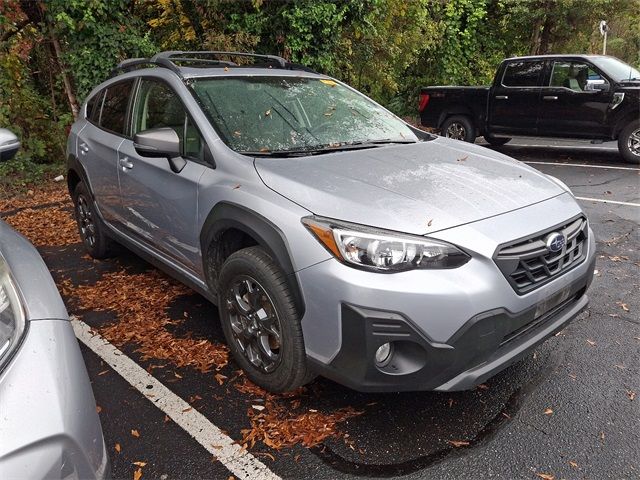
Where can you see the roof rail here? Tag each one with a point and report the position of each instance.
(172, 58)
(134, 63)
(195, 56)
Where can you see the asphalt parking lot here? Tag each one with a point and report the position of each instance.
(173, 405)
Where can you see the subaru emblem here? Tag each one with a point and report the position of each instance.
(556, 242)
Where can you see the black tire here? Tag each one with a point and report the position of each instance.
(496, 141)
(459, 127)
(91, 230)
(629, 142)
(254, 301)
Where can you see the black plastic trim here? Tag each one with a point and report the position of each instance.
(227, 215)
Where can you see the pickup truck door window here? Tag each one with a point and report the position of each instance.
(99, 142)
(160, 204)
(575, 101)
(514, 98)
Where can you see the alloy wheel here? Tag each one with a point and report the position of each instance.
(456, 131)
(85, 221)
(633, 142)
(254, 323)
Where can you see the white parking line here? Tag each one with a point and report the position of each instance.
(629, 204)
(582, 165)
(240, 462)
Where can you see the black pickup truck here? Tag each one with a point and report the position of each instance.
(571, 96)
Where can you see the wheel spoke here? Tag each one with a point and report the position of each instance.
(254, 323)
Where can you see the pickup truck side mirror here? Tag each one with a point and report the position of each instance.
(597, 86)
(9, 144)
(160, 143)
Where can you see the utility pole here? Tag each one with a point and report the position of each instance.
(604, 29)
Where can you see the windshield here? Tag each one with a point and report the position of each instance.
(283, 114)
(617, 69)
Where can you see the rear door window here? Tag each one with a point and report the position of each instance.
(522, 74)
(114, 107)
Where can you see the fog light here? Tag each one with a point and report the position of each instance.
(383, 354)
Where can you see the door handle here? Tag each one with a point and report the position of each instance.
(125, 163)
(502, 97)
(84, 148)
(550, 97)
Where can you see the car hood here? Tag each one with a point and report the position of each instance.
(418, 188)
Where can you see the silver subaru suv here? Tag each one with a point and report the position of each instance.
(334, 238)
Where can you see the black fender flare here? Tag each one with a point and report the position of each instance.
(74, 165)
(455, 110)
(226, 215)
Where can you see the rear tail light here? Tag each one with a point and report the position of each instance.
(424, 100)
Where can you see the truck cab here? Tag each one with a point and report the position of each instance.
(571, 96)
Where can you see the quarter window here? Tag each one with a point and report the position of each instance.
(522, 74)
(114, 107)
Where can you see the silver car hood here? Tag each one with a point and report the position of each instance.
(417, 188)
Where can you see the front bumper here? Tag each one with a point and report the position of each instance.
(451, 329)
(49, 427)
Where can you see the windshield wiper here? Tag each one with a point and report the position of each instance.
(325, 148)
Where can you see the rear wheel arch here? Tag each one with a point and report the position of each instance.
(456, 110)
(231, 227)
(76, 174)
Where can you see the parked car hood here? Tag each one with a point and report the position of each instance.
(416, 188)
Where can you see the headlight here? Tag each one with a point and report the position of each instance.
(382, 250)
(12, 321)
(560, 183)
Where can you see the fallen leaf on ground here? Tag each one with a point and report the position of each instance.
(546, 476)
(140, 464)
(103, 372)
(548, 411)
(137, 475)
(631, 394)
(258, 407)
(573, 464)
(118, 448)
(591, 342)
(458, 443)
(624, 306)
(135, 433)
(220, 378)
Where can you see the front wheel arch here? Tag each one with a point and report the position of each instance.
(255, 229)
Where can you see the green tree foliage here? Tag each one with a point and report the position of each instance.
(52, 52)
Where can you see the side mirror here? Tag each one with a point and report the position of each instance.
(160, 143)
(157, 143)
(9, 144)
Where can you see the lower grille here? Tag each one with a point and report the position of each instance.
(530, 263)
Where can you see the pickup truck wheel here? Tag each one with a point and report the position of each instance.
(629, 142)
(459, 127)
(92, 231)
(496, 141)
(260, 321)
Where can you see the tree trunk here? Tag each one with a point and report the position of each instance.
(73, 101)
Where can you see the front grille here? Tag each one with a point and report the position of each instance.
(528, 263)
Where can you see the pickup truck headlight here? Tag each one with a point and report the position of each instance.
(382, 250)
(12, 319)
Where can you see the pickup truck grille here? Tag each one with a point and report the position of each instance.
(529, 263)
